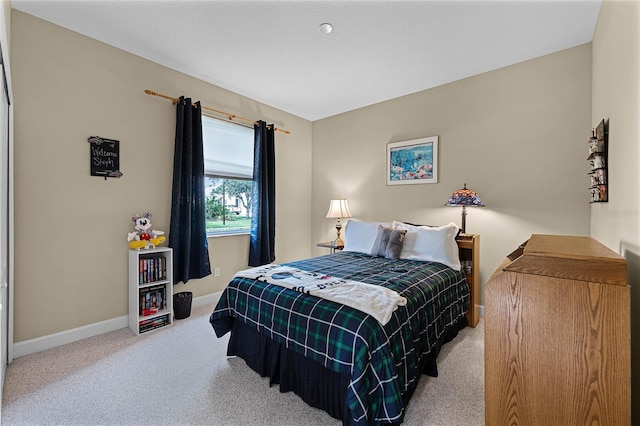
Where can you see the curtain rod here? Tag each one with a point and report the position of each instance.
(230, 117)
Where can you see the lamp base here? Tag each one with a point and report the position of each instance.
(464, 220)
(338, 241)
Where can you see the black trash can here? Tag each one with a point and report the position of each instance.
(182, 304)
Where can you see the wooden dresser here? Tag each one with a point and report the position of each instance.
(557, 335)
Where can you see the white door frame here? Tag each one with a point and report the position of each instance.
(4, 51)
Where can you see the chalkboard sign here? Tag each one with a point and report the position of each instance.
(105, 157)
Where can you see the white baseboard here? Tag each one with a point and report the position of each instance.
(38, 344)
(481, 311)
(208, 299)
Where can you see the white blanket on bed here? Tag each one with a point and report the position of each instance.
(377, 301)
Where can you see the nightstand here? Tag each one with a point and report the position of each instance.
(330, 245)
(469, 249)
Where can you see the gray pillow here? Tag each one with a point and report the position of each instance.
(388, 243)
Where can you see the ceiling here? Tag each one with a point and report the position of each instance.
(275, 53)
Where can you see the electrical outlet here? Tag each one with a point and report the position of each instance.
(216, 272)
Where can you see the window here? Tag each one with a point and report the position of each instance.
(228, 170)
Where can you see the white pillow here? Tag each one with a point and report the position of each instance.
(359, 235)
(432, 244)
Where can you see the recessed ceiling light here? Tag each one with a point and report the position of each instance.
(326, 28)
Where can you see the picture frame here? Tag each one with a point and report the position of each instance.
(412, 162)
(105, 157)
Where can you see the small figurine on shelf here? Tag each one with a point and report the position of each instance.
(144, 236)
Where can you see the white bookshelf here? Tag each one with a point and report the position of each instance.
(150, 289)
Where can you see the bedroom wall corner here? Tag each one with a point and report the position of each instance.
(616, 99)
(515, 135)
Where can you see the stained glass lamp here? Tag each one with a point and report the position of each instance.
(466, 198)
(337, 210)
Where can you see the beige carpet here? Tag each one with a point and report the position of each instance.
(180, 375)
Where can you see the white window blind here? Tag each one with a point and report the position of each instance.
(228, 149)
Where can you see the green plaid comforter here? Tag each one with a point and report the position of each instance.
(383, 362)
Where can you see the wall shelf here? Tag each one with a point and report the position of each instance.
(598, 146)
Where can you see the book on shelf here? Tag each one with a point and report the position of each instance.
(152, 300)
(153, 323)
(152, 269)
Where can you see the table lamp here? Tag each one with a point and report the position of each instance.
(337, 210)
(466, 198)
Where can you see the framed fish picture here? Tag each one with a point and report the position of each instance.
(413, 161)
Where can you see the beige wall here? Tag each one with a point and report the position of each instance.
(616, 99)
(70, 227)
(516, 135)
(6, 23)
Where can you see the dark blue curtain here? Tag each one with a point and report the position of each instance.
(188, 233)
(263, 220)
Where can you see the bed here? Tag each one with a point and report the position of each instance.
(341, 359)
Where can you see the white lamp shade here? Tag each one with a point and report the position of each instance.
(338, 209)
